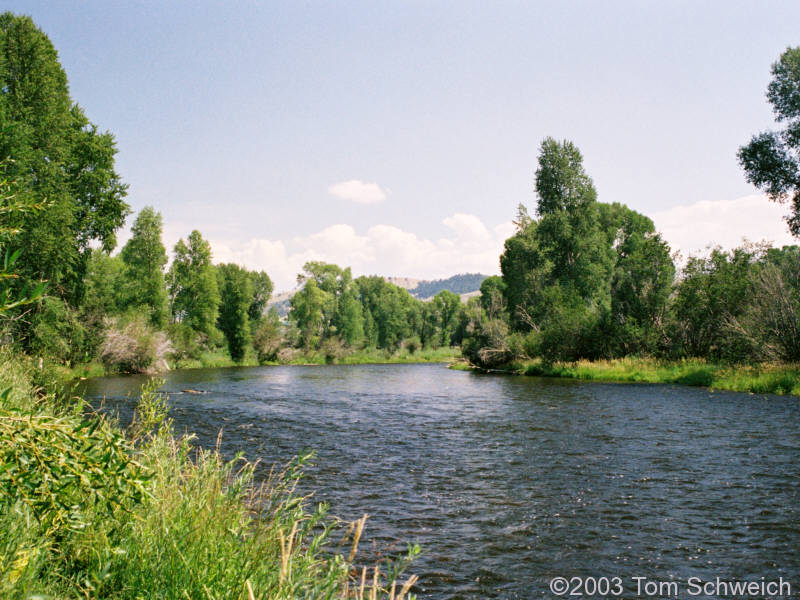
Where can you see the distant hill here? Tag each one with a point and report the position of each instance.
(465, 285)
(458, 284)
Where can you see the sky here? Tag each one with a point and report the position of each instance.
(399, 137)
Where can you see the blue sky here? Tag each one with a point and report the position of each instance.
(399, 137)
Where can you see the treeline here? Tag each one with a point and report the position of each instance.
(333, 312)
(588, 280)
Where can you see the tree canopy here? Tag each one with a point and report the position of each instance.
(57, 156)
(771, 161)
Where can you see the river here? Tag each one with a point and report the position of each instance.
(507, 482)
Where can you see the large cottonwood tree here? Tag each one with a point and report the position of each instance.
(56, 156)
(771, 161)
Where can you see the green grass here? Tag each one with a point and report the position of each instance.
(212, 359)
(758, 379)
(141, 513)
(356, 357)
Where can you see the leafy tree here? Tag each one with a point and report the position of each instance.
(55, 154)
(268, 337)
(236, 294)
(771, 161)
(492, 289)
(561, 182)
(262, 290)
(103, 280)
(193, 288)
(640, 284)
(566, 247)
(12, 209)
(310, 307)
(145, 257)
(445, 306)
(394, 314)
(711, 292)
(349, 317)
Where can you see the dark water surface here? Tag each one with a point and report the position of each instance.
(507, 482)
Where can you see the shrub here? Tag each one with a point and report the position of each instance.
(412, 344)
(135, 347)
(333, 348)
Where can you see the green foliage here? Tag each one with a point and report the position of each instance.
(55, 154)
(768, 326)
(444, 310)
(262, 290)
(712, 290)
(761, 379)
(57, 333)
(193, 289)
(58, 467)
(585, 279)
(771, 161)
(561, 183)
(268, 338)
(12, 209)
(145, 257)
(236, 294)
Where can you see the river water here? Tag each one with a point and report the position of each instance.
(507, 482)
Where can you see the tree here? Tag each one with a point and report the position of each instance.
(262, 290)
(771, 161)
(445, 305)
(193, 288)
(145, 257)
(55, 154)
(565, 247)
(561, 182)
(309, 309)
(712, 291)
(236, 294)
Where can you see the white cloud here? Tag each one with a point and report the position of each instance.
(692, 228)
(358, 191)
(382, 250)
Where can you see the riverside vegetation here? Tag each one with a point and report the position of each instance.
(590, 290)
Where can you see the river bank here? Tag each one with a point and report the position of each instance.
(755, 379)
(209, 360)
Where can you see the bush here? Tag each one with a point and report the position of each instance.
(135, 347)
(333, 348)
(412, 344)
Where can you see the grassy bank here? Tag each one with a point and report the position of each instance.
(222, 359)
(88, 510)
(758, 379)
(376, 356)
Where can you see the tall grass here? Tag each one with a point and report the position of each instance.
(160, 518)
(758, 379)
